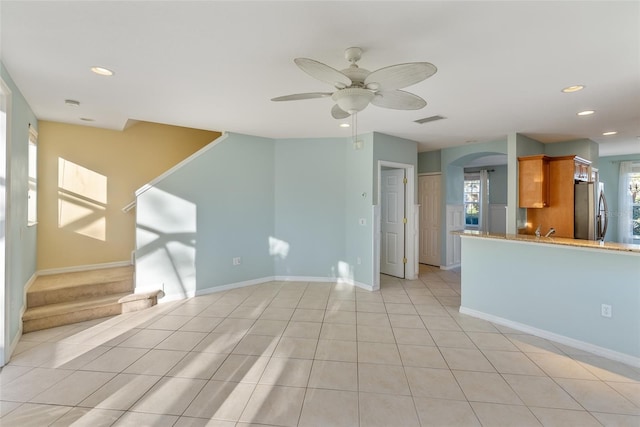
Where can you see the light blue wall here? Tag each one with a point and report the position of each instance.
(609, 174)
(429, 162)
(20, 239)
(392, 149)
(193, 222)
(585, 148)
(310, 206)
(359, 202)
(558, 289)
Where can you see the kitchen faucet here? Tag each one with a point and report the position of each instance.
(550, 232)
(538, 231)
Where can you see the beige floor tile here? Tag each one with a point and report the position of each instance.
(169, 322)
(303, 329)
(234, 326)
(170, 396)
(558, 366)
(241, 368)
(32, 383)
(389, 379)
(182, 340)
(492, 414)
(441, 413)
(137, 419)
(156, 362)
(201, 324)
(434, 309)
(471, 324)
(75, 359)
(382, 334)
(277, 313)
(198, 365)
(285, 302)
(218, 343)
(564, 418)
(541, 391)
(334, 375)
(117, 359)
(88, 417)
(287, 372)
(202, 422)
(341, 304)
(421, 356)
(121, 392)
(274, 405)
(609, 370)
(617, 420)
(466, 359)
(512, 362)
(372, 319)
(441, 323)
(371, 352)
(220, 400)
(73, 388)
(413, 336)
(337, 316)
(313, 303)
(34, 415)
(598, 396)
(452, 339)
(272, 328)
(491, 341)
(406, 321)
(7, 407)
(396, 298)
(370, 307)
(247, 312)
(256, 345)
(395, 308)
(384, 410)
(298, 348)
(366, 296)
(486, 387)
(436, 383)
(9, 373)
(307, 315)
(146, 338)
(532, 344)
(629, 390)
(338, 331)
(333, 408)
(343, 351)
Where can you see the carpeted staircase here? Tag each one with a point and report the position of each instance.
(61, 299)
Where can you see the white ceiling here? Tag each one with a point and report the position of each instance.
(215, 65)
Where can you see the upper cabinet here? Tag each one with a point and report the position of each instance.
(582, 169)
(533, 184)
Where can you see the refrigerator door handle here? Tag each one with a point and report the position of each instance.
(604, 214)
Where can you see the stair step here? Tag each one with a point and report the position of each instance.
(65, 313)
(68, 287)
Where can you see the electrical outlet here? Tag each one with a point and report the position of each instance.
(605, 310)
(236, 261)
(362, 221)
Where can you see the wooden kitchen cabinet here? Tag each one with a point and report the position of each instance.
(533, 182)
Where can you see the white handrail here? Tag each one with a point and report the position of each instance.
(129, 206)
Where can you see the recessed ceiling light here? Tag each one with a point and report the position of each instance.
(102, 71)
(87, 119)
(574, 88)
(72, 102)
(344, 125)
(613, 132)
(586, 113)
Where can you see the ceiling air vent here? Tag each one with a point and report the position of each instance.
(429, 119)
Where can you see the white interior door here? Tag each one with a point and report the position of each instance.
(430, 219)
(392, 222)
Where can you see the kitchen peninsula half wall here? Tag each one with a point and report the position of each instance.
(559, 289)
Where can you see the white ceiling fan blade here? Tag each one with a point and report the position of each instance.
(323, 72)
(339, 113)
(398, 100)
(299, 96)
(399, 76)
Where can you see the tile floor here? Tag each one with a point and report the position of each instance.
(311, 354)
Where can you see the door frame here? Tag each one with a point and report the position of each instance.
(411, 230)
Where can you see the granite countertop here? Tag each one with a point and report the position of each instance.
(612, 246)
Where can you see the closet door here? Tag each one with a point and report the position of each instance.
(430, 219)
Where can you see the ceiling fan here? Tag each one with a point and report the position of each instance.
(357, 87)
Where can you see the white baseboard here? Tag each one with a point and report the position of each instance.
(449, 267)
(87, 267)
(561, 339)
(213, 289)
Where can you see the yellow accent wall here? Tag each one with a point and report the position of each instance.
(87, 175)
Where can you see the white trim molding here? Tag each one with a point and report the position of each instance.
(561, 339)
(87, 267)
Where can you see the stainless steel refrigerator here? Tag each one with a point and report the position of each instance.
(590, 211)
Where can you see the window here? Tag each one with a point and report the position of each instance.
(32, 192)
(471, 200)
(629, 202)
(634, 190)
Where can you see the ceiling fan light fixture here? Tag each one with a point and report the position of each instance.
(574, 88)
(353, 100)
(102, 71)
(609, 133)
(344, 125)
